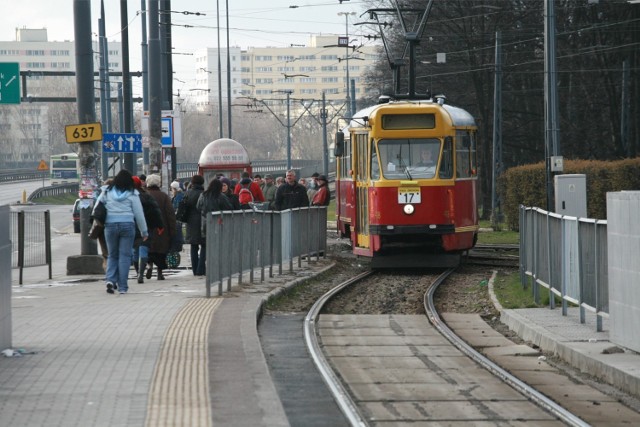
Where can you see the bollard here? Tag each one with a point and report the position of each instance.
(24, 196)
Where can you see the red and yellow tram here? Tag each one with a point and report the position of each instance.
(406, 183)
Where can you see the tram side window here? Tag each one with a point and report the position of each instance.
(375, 166)
(446, 164)
(345, 161)
(465, 152)
(362, 156)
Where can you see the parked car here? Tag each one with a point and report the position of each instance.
(75, 216)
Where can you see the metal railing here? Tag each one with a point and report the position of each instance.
(54, 190)
(567, 256)
(30, 240)
(245, 241)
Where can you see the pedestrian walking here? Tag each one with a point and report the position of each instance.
(124, 213)
(160, 241)
(193, 225)
(153, 216)
(176, 197)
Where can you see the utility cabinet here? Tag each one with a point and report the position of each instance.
(571, 195)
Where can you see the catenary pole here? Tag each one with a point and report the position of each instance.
(155, 91)
(86, 114)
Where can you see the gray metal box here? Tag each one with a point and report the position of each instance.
(571, 194)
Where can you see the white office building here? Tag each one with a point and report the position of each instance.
(29, 131)
(305, 72)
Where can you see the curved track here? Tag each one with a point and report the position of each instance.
(396, 369)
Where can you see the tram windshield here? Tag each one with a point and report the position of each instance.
(408, 158)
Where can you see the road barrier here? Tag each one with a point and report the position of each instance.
(567, 256)
(248, 240)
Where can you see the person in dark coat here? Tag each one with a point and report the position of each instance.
(291, 194)
(211, 200)
(160, 241)
(226, 190)
(193, 236)
(153, 216)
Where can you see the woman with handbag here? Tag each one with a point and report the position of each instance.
(124, 212)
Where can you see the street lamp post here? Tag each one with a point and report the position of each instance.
(348, 98)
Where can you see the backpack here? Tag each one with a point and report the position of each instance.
(182, 213)
(245, 196)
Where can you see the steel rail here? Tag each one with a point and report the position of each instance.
(340, 394)
(529, 392)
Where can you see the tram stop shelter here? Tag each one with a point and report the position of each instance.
(223, 156)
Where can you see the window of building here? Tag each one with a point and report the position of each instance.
(330, 80)
(329, 57)
(330, 68)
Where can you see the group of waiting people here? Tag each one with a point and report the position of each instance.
(141, 220)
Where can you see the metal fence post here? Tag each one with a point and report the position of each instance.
(47, 241)
(21, 243)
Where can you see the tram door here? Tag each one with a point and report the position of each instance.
(360, 168)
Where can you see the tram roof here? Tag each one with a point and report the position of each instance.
(459, 117)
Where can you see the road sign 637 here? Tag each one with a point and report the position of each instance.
(86, 132)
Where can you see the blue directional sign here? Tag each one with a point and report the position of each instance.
(122, 143)
(167, 132)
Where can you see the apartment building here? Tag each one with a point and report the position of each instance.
(265, 73)
(28, 133)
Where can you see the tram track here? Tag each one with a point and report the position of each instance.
(396, 299)
(362, 412)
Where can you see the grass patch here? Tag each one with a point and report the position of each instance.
(499, 236)
(63, 199)
(331, 210)
(511, 294)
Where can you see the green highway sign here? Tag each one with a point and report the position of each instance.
(9, 83)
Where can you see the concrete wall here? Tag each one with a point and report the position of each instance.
(5, 278)
(623, 235)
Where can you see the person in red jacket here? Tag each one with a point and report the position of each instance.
(253, 186)
(323, 195)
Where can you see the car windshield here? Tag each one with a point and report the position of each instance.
(409, 158)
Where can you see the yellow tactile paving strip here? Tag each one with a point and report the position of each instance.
(180, 388)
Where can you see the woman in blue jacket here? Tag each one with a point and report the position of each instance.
(124, 211)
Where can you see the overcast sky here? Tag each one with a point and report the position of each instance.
(256, 23)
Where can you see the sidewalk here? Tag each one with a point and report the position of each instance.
(161, 355)
(579, 345)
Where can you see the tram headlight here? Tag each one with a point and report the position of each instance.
(408, 209)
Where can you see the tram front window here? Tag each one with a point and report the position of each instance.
(409, 158)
